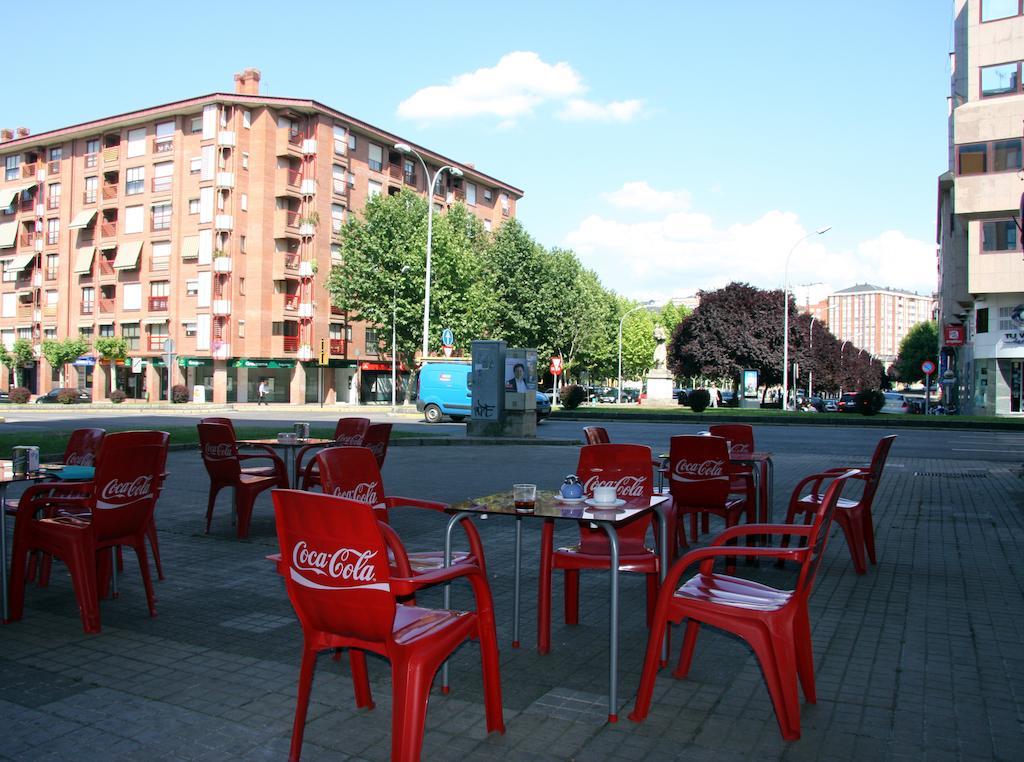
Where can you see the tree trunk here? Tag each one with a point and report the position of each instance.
(113, 375)
(17, 376)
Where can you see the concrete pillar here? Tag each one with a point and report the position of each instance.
(220, 382)
(100, 382)
(242, 384)
(153, 383)
(329, 392)
(297, 387)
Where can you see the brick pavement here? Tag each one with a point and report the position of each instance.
(920, 658)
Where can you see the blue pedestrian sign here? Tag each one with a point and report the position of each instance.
(447, 337)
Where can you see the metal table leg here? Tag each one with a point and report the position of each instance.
(3, 547)
(515, 600)
(663, 568)
(446, 592)
(613, 623)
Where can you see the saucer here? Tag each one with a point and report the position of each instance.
(570, 499)
(604, 506)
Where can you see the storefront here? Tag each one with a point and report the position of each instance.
(244, 376)
(375, 382)
(333, 383)
(994, 367)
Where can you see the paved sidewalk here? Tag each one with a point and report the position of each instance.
(920, 658)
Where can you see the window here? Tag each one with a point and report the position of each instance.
(190, 328)
(91, 186)
(136, 143)
(85, 332)
(487, 225)
(1006, 155)
(52, 231)
(163, 176)
(243, 201)
(193, 206)
(52, 265)
(972, 159)
(471, 194)
(504, 203)
(335, 255)
(162, 217)
(488, 194)
(372, 343)
(88, 299)
(1001, 79)
(241, 329)
(376, 159)
(334, 331)
(9, 275)
(246, 119)
(195, 165)
(130, 334)
(135, 180)
(191, 288)
(134, 219)
(351, 142)
(161, 255)
(12, 167)
(245, 160)
(92, 149)
(107, 330)
(409, 171)
(195, 124)
(981, 320)
(53, 196)
(338, 178)
(337, 217)
(999, 235)
(241, 243)
(132, 296)
(241, 286)
(158, 334)
(373, 189)
(164, 141)
(340, 143)
(999, 9)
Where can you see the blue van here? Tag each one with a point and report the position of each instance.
(443, 389)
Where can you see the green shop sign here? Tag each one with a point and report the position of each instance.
(244, 363)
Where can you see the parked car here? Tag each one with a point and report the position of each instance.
(51, 396)
(443, 389)
(4, 398)
(607, 394)
(543, 406)
(630, 395)
(831, 406)
(846, 403)
(681, 395)
(895, 403)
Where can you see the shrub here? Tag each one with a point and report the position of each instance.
(117, 396)
(179, 393)
(699, 399)
(868, 402)
(572, 396)
(67, 396)
(19, 394)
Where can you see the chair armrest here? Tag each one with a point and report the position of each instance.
(268, 451)
(409, 585)
(395, 501)
(299, 468)
(800, 530)
(398, 553)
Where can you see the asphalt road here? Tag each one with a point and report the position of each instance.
(845, 441)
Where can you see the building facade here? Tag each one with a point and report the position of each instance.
(877, 319)
(210, 225)
(981, 261)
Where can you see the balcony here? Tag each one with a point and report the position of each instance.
(158, 303)
(29, 170)
(291, 301)
(50, 310)
(53, 168)
(27, 206)
(504, 211)
(24, 310)
(395, 171)
(109, 192)
(30, 238)
(337, 346)
(221, 306)
(108, 229)
(226, 138)
(91, 160)
(156, 343)
(106, 266)
(162, 184)
(289, 142)
(106, 306)
(221, 350)
(111, 154)
(222, 264)
(286, 223)
(225, 180)
(86, 308)
(223, 222)
(163, 145)
(291, 343)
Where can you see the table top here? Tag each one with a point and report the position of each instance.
(7, 475)
(275, 442)
(549, 505)
(738, 457)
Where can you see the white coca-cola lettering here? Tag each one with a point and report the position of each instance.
(625, 486)
(138, 487)
(705, 469)
(79, 459)
(219, 450)
(343, 563)
(366, 492)
(350, 439)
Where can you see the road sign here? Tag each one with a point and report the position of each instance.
(136, 365)
(448, 337)
(168, 346)
(447, 349)
(324, 359)
(556, 366)
(927, 367)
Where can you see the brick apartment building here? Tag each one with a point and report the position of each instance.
(877, 319)
(211, 222)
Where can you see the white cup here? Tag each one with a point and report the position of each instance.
(604, 494)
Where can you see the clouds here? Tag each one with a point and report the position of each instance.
(653, 244)
(517, 86)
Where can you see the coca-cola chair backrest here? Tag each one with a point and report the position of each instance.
(337, 565)
(83, 446)
(818, 538)
(222, 421)
(596, 435)
(352, 473)
(740, 437)
(699, 470)
(378, 435)
(160, 439)
(627, 467)
(350, 431)
(220, 455)
(877, 465)
(128, 470)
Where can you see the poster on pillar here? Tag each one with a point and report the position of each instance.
(520, 379)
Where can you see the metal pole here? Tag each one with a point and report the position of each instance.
(394, 318)
(621, 321)
(785, 318)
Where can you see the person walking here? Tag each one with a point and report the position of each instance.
(262, 392)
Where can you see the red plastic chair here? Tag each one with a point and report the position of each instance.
(344, 594)
(596, 435)
(853, 515)
(627, 467)
(377, 439)
(348, 432)
(352, 473)
(700, 479)
(114, 509)
(220, 456)
(740, 437)
(277, 465)
(773, 622)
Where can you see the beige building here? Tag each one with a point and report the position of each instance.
(877, 319)
(981, 260)
(210, 223)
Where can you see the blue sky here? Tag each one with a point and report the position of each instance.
(673, 145)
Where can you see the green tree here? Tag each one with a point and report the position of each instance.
(514, 272)
(60, 353)
(671, 315)
(20, 355)
(921, 343)
(637, 341)
(111, 349)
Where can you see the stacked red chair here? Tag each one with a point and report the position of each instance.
(276, 467)
(113, 510)
(377, 439)
(700, 480)
(852, 515)
(627, 467)
(775, 623)
(220, 456)
(348, 432)
(345, 595)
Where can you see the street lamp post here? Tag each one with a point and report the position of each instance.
(785, 318)
(842, 365)
(455, 172)
(810, 372)
(645, 305)
(394, 335)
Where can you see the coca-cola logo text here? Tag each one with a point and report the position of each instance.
(218, 451)
(705, 469)
(138, 487)
(343, 563)
(625, 486)
(354, 440)
(365, 492)
(79, 459)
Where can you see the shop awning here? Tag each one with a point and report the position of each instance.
(83, 219)
(7, 195)
(128, 255)
(154, 321)
(83, 260)
(85, 325)
(190, 247)
(21, 261)
(108, 246)
(8, 234)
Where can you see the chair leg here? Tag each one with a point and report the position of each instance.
(360, 678)
(804, 655)
(410, 688)
(652, 596)
(154, 545)
(147, 580)
(82, 566)
(778, 663)
(686, 651)
(868, 532)
(16, 583)
(572, 596)
(544, 587)
(244, 501)
(490, 664)
(852, 527)
(214, 489)
(652, 659)
(302, 701)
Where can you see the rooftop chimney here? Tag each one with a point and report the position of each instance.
(248, 82)
(6, 135)
(23, 132)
